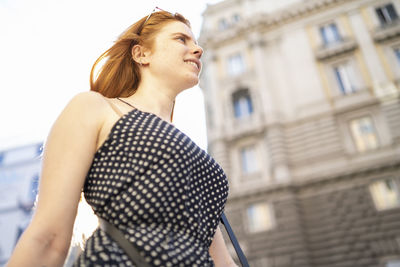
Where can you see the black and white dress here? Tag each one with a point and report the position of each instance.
(163, 192)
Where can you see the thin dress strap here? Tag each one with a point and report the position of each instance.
(125, 102)
(172, 113)
(114, 107)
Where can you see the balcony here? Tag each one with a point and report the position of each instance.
(238, 128)
(360, 97)
(386, 31)
(344, 45)
(237, 80)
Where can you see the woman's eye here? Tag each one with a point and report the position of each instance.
(181, 38)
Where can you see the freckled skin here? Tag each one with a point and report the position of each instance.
(169, 54)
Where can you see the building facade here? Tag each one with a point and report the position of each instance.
(19, 176)
(302, 103)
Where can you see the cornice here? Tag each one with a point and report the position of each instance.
(374, 169)
(219, 7)
(268, 20)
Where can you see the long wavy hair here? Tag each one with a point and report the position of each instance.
(119, 76)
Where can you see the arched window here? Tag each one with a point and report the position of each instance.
(242, 103)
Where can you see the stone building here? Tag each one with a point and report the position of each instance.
(303, 112)
(19, 178)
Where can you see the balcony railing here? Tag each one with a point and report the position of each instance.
(344, 45)
(387, 31)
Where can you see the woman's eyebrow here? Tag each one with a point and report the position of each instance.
(185, 35)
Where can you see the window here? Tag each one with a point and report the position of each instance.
(34, 187)
(222, 24)
(397, 53)
(242, 104)
(235, 18)
(330, 34)
(393, 263)
(249, 160)
(386, 194)
(386, 14)
(39, 149)
(345, 77)
(364, 134)
(260, 217)
(235, 64)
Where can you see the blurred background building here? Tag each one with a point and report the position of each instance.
(303, 113)
(19, 174)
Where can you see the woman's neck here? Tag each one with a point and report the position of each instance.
(154, 99)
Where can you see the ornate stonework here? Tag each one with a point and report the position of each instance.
(312, 71)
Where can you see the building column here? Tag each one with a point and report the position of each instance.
(213, 97)
(382, 85)
(275, 135)
(278, 153)
(257, 45)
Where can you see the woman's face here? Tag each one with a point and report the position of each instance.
(175, 56)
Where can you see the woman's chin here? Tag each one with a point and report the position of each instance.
(191, 82)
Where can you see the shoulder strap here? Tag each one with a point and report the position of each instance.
(127, 246)
(114, 107)
(235, 243)
(123, 101)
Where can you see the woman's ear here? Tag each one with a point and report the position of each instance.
(140, 54)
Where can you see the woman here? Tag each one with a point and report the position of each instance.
(137, 171)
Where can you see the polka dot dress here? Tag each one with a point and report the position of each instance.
(163, 192)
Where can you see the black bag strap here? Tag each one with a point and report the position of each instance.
(235, 243)
(127, 246)
(139, 260)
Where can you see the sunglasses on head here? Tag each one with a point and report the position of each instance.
(156, 9)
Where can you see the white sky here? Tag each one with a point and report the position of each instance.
(47, 48)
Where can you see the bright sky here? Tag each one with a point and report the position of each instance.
(47, 49)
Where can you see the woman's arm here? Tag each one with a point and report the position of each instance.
(68, 154)
(219, 253)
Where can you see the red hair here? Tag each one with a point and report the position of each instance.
(120, 76)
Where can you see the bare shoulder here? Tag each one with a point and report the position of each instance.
(89, 101)
(88, 107)
(83, 117)
(93, 112)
